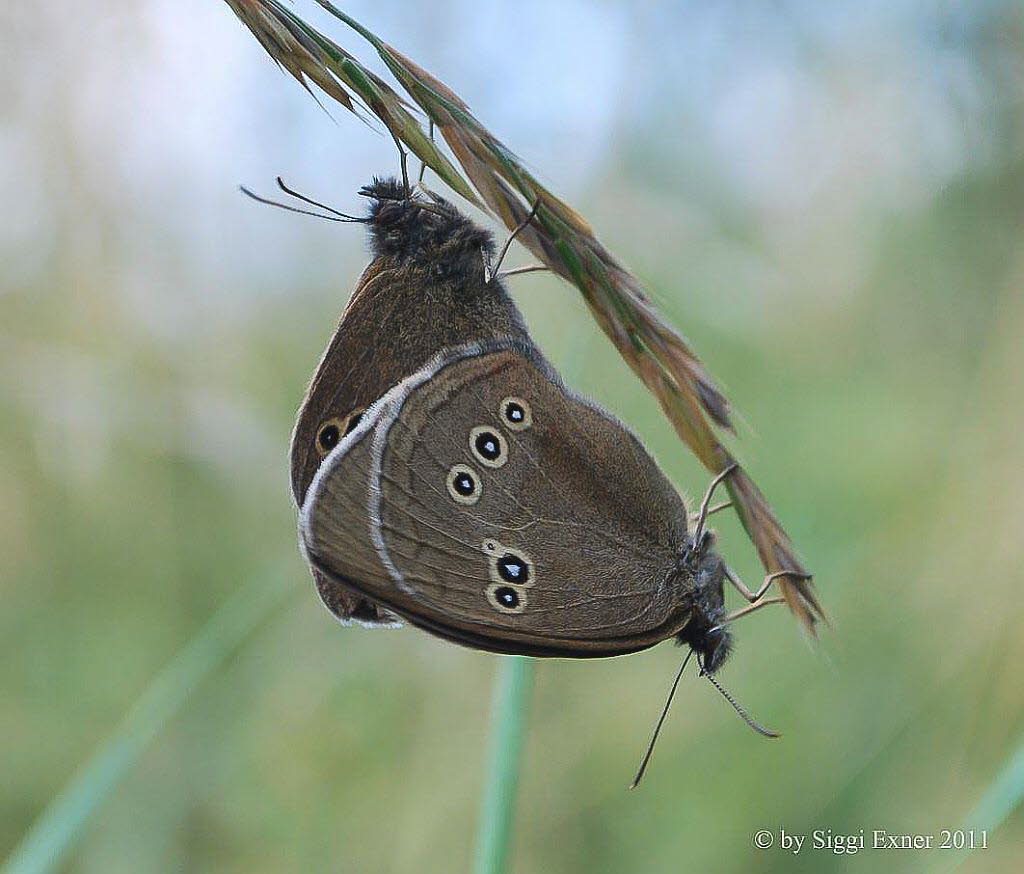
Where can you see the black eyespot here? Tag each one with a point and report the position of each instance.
(507, 597)
(328, 437)
(333, 430)
(515, 414)
(512, 569)
(487, 445)
(463, 484)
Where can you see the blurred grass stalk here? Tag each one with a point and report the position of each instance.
(67, 814)
(1003, 797)
(512, 686)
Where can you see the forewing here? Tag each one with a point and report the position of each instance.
(355, 371)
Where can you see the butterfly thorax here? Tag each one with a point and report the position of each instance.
(704, 571)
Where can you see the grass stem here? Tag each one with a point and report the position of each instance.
(508, 724)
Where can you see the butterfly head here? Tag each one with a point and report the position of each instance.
(426, 231)
(704, 572)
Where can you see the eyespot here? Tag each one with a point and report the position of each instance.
(463, 484)
(507, 599)
(328, 436)
(333, 430)
(513, 569)
(488, 446)
(508, 565)
(515, 414)
(353, 420)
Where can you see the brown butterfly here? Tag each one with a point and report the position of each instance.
(404, 309)
(447, 477)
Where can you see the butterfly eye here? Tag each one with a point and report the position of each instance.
(333, 430)
(488, 446)
(515, 414)
(507, 599)
(463, 484)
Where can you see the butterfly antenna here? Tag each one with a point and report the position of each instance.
(661, 719)
(760, 729)
(268, 202)
(311, 202)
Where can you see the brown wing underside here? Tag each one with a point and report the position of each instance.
(389, 330)
(348, 529)
(573, 498)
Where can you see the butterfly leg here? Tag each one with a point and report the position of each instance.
(403, 158)
(757, 599)
(754, 597)
(489, 271)
(750, 608)
(715, 509)
(698, 528)
(423, 164)
(517, 271)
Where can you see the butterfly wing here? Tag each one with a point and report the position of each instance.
(348, 380)
(508, 513)
(390, 329)
(350, 530)
(359, 365)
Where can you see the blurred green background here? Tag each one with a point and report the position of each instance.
(826, 198)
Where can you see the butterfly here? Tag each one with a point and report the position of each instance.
(447, 477)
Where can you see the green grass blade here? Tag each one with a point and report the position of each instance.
(64, 819)
(508, 724)
(1003, 797)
